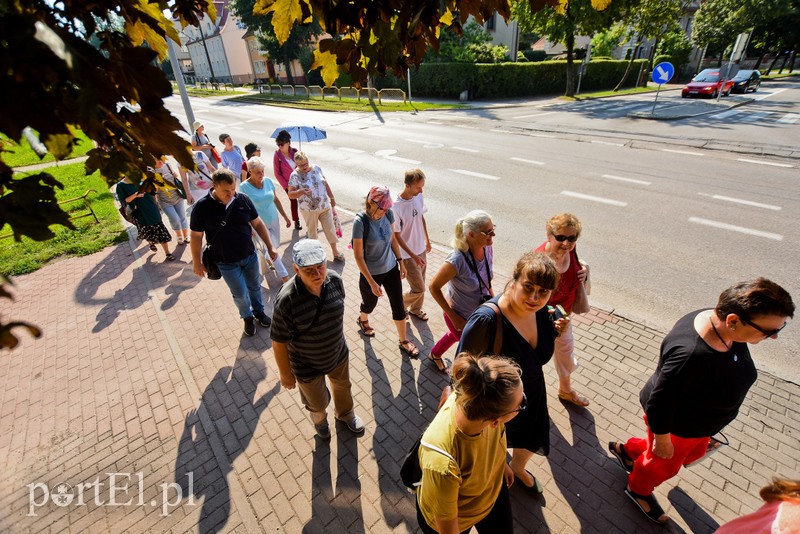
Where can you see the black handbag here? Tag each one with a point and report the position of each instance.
(206, 257)
(410, 470)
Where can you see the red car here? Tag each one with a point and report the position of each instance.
(707, 83)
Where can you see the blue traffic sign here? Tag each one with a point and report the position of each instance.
(663, 72)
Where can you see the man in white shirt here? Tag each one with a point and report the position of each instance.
(409, 209)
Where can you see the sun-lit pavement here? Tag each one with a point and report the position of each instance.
(143, 377)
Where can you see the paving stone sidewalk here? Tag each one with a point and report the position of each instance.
(143, 383)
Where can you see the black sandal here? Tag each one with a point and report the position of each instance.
(170, 257)
(441, 365)
(625, 461)
(153, 247)
(655, 512)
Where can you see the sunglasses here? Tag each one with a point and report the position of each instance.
(490, 233)
(562, 238)
(523, 405)
(767, 333)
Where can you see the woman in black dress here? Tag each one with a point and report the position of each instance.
(146, 212)
(528, 337)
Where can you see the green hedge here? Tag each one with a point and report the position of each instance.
(506, 80)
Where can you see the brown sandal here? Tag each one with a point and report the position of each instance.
(365, 328)
(409, 348)
(421, 315)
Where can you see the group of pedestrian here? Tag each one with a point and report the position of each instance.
(505, 335)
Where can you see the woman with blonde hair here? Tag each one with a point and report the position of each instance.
(315, 200)
(563, 231)
(465, 478)
(464, 280)
(528, 331)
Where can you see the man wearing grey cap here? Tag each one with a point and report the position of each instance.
(308, 338)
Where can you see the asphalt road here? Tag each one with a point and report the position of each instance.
(669, 221)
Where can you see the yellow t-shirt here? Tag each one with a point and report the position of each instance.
(467, 490)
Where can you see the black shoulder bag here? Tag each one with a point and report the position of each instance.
(212, 270)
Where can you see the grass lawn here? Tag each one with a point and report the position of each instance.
(88, 237)
(19, 155)
(193, 91)
(601, 94)
(345, 104)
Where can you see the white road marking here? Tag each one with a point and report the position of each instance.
(532, 162)
(687, 152)
(254, 120)
(351, 150)
(543, 135)
(257, 132)
(435, 123)
(418, 141)
(595, 199)
(734, 228)
(606, 143)
(234, 123)
(758, 115)
(475, 174)
(498, 130)
(465, 149)
(623, 179)
(767, 95)
(403, 160)
(726, 114)
(532, 116)
(742, 201)
(771, 163)
(235, 127)
(789, 118)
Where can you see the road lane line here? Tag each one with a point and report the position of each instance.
(532, 162)
(254, 120)
(789, 118)
(771, 163)
(498, 130)
(475, 174)
(418, 141)
(351, 150)
(403, 160)
(257, 132)
(742, 201)
(606, 143)
(543, 135)
(623, 179)
(758, 115)
(465, 149)
(435, 123)
(601, 200)
(734, 228)
(687, 152)
(532, 116)
(767, 95)
(726, 114)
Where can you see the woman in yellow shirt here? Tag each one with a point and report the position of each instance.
(465, 477)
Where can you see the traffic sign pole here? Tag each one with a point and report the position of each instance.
(662, 73)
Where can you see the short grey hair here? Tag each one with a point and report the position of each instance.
(255, 164)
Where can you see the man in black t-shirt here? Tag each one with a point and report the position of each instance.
(232, 245)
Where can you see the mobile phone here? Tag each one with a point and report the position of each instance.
(556, 312)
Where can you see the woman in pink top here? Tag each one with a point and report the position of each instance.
(283, 164)
(779, 515)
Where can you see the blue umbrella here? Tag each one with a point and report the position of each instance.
(302, 133)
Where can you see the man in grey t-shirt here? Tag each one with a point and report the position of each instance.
(308, 338)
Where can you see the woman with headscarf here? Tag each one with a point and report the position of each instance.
(377, 252)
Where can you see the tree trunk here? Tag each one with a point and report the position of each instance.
(630, 64)
(287, 62)
(570, 64)
(785, 57)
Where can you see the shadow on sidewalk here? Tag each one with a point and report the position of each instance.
(217, 432)
(398, 422)
(698, 521)
(135, 293)
(344, 504)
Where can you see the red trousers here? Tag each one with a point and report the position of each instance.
(649, 470)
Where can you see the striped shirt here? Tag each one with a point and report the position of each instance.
(322, 348)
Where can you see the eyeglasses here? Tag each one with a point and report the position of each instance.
(490, 233)
(562, 238)
(767, 333)
(523, 405)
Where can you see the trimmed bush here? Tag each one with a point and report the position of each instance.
(505, 80)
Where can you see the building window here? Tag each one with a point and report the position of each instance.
(490, 22)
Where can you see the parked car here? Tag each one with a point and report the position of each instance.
(708, 82)
(746, 80)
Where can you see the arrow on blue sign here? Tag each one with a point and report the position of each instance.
(663, 72)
